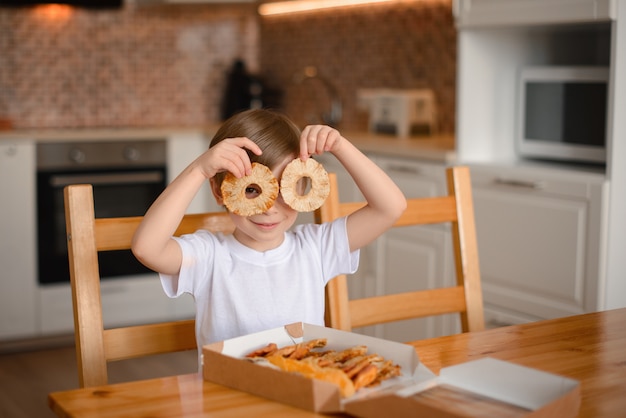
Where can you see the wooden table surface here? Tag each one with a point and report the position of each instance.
(590, 348)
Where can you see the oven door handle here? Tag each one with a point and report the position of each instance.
(144, 177)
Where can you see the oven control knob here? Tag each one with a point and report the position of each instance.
(131, 154)
(77, 156)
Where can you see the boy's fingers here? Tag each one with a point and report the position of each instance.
(236, 159)
(249, 145)
(310, 141)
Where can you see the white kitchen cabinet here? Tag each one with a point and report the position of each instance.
(490, 60)
(18, 242)
(539, 239)
(492, 51)
(473, 13)
(415, 258)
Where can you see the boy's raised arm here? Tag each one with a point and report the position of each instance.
(153, 244)
(385, 201)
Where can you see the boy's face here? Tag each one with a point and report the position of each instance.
(266, 231)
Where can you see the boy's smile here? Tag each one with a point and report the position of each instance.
(265, 225)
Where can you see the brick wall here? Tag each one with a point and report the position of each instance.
(166, 65)
(152, 66)
(403, 45)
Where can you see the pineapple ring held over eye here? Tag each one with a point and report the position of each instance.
(234, 191)
(320, 185)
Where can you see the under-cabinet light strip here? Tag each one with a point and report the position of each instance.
(295, 6)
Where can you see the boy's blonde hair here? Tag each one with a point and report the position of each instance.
(276, 135)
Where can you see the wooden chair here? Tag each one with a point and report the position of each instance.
(465, 298)
(86, 236)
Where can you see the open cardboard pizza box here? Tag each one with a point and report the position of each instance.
(486, 387)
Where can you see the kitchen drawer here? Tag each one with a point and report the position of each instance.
(414, 178)
(482, 13)
(535, 181)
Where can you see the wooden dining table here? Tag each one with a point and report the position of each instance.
(590, 348)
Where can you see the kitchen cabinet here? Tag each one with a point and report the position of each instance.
(539, 240)
(490, 60)
(473, 13)
(18, 258)
(403, 259)
(415, 258)
(492, 51)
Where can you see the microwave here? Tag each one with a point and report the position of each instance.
(562, 113)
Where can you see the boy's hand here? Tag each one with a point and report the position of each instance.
(317, 139)
(229, 155)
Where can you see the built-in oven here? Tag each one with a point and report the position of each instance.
(127, 176)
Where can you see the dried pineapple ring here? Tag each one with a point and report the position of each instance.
(320, 186)
(234, 191)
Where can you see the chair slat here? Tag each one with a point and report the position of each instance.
(117, 233)
(429, 210)
(145, 340)
(397, 307)
(85, 284)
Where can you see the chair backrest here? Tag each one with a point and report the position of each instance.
(86, 236)
(465, 298)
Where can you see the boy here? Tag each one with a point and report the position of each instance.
(264, 275)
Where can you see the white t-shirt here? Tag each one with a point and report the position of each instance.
(238, 290)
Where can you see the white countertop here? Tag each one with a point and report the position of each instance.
(433, 148)
(438, 148)
(96, 134)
